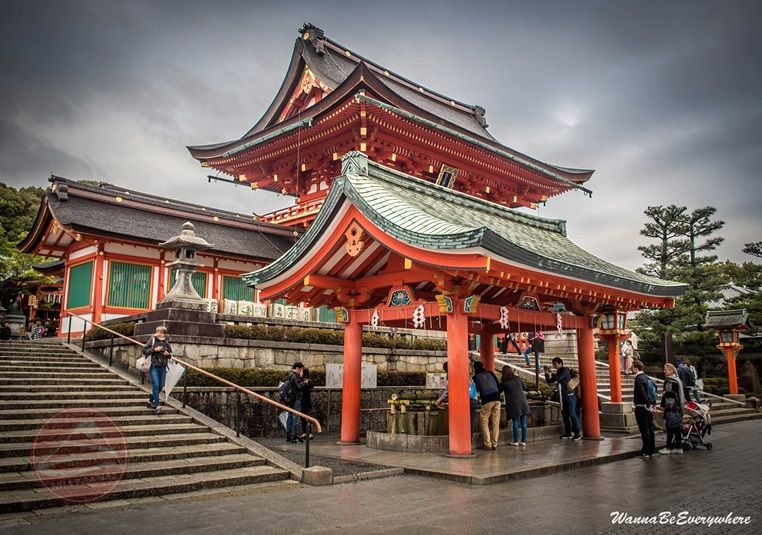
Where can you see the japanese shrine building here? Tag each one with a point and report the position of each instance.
(108, 238)
(409, 206)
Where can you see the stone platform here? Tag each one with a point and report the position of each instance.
(487, 467)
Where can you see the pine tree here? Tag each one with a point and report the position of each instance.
(667, 225)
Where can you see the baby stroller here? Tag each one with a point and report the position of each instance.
(696, 426)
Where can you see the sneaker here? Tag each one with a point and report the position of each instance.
(665, 451)
(522, 444)
(515, 444)
(158, 411)
(678, 451)
(485, 447)
(565, 437)
(151, 406)
(577, 437)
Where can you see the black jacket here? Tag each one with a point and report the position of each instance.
(307, 396)
(640, 391)
(158, 360)
(561, 377)
(296, 387)
(492, 397)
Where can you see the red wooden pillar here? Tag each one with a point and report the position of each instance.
(591, 425)
(162, 275)
(615, 379)
(457, 381)
(350, 395)
(487, 348)
(730, 355)
(98, 286)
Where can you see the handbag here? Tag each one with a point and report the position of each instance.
(143, 364)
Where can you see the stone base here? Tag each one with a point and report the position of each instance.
(317, 476)
(617, 417)
(181, 321)
(17, 323)
(736, 397)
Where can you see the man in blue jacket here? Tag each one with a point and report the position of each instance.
(566, 398)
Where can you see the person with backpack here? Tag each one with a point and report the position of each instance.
(566, 397)
(157, 348)
(291, 395)
(306, 401)
(693, 374)
(472, 396)
(672, 403)
(516, 404)
(644, 398)
(489, 418)
(686, 378)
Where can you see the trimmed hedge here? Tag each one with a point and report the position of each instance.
(272, 378)
(126, 328)
(312, 335)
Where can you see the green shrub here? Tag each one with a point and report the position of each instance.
(126, 328)
(724, 390)
(741, 390)
(272, 378)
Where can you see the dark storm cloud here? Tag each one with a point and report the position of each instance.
(661, 98)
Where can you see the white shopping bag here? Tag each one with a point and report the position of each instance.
(175, 371)
(283, 417)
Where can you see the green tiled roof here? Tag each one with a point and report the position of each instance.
(719, 319)
(426, 215)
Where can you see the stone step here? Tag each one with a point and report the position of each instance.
(37, 352)
(20, 449)
(88, 388)
(108, 472)
(49, 369)
(751, 415)
(136, 455)
(31, 395)
(77, 433)
(73, 382)
(35, 373)
(47, 365)
(79, 403)
(145, 418)
(31, 499)
(22, 414)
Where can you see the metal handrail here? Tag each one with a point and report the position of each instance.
(236, 387)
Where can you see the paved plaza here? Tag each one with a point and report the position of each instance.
(715, 483)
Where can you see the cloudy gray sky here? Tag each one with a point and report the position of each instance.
(663, 99)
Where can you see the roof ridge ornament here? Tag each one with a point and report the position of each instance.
(314, 35)
(355, 163)
(480, 116)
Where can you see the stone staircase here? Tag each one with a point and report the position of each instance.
(71, 431)
(723, 410)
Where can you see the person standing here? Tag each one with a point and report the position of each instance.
(566, 397)
(489, 392)
(472, 396)
(672, 403)
(306, 401)
(694, 375)
(158, 348)
(294, 389)
(516, 404)
(686, 379)
(628, 356)
(644, 398)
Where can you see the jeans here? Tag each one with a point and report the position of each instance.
(526, 353)
(696, 394)
(292, 424)
(157, 383)
(674, 438)
(645, 419)
(569, 412)
(474, 409)
(490, 423)
(523, 420)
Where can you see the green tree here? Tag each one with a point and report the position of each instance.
(18, 209)
(668, 226)
(753, 249)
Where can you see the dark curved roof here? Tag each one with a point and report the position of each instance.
(94, 208)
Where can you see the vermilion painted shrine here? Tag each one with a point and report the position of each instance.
(407, 200)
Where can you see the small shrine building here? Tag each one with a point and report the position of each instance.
(408, 204)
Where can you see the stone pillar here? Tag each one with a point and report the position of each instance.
(615, 379)
(591, 425)
(457, 381)
(487, 348)
(730, 356)
(350, 395)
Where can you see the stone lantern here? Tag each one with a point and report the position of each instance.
(729, 324)
(185, 245)
(612, 327)
(182, 310)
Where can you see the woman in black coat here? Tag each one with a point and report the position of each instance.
(516, 404)
(306, 401)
